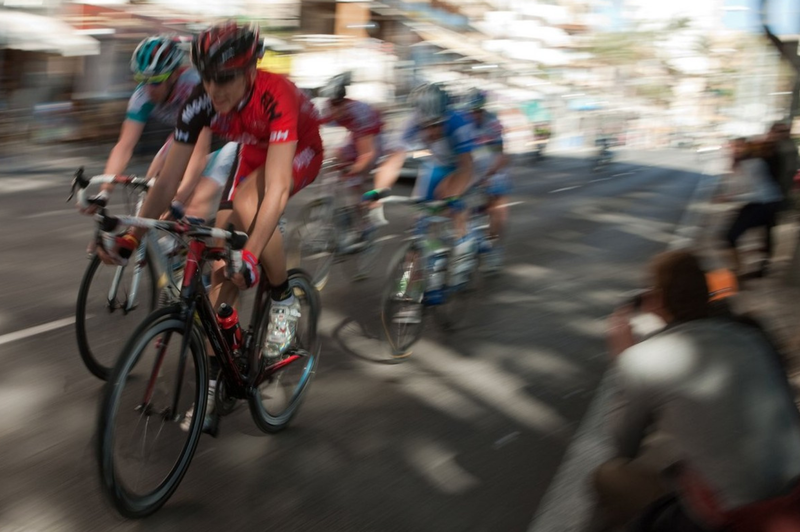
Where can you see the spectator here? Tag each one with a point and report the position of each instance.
(762, 199)
(783, 162)
(713, 387)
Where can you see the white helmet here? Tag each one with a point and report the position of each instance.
(430, 102)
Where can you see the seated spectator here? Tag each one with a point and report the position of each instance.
(714, 387)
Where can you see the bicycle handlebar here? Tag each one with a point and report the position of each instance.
(235, 239)
(81, 183)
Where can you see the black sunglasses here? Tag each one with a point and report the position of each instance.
(219, 78)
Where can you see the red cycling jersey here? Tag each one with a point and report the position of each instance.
(275, 112)
(359, 118)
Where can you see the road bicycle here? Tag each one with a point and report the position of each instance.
(421, 279)
(160, 380)
(109, 294)
(333, 228)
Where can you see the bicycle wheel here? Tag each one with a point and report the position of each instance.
(107, 296)
(401, 303)
(276, 401)
(313, 242)
(143, 452)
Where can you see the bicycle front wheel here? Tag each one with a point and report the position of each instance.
(146, 436)
(276, 401)
(111, 300)
(401, 305)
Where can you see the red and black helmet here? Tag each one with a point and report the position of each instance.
(226, 48)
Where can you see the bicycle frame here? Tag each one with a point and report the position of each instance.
(194, 299)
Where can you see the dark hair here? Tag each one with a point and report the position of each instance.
(682, 283)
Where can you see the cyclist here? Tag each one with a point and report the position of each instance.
(490, 163)
(449, 135)
(280, 152)
(164, 85)
(363, 122)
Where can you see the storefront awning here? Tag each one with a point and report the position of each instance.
(36, 33)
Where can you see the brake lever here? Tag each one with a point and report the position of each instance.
(77, 182)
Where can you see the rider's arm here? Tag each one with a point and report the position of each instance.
(389, 171)
(457, 182)
(121, 153)
(195, 115)
(165, 187)
(278, 186)
(500, 161)
(367, 152)
(194, 171)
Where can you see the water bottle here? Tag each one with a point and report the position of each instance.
(228, 320)
(437, 275)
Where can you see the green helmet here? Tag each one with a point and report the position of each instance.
(156, 58)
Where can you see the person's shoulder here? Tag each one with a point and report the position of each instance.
(273, 81)
(670, 353)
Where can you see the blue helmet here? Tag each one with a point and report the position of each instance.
(156, 58)
(430, 102)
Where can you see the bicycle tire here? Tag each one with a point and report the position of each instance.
(271, 422)
(313, 242)
(91, 359)
(168, 319)
(404, 264)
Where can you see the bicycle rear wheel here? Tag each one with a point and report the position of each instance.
(401, 304)
(111, 300)
(313, 242)
(142, 450)
(276, 401)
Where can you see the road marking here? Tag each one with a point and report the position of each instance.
(564, 189)
(11, 185)
(599, 179)
(38, 329)
(73, 210)
(387, 237)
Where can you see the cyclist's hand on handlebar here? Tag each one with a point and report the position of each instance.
(243, 269)
(177, 210)
(120, 251)
(95, 202)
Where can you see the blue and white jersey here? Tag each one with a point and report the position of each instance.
(141, 108)
(488, 141)
(458, 138)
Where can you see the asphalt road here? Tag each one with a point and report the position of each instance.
(465, 436)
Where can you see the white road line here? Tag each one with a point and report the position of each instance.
(387, 237)
(564, 189)
(599, 179)
(11, 185)
(32, 331)
(73, 210)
